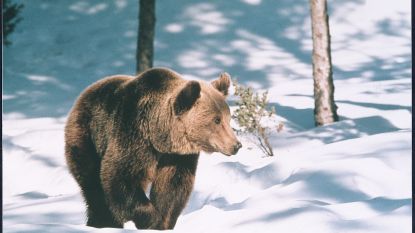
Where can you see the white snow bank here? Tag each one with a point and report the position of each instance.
(352, 185)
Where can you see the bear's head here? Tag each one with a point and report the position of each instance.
(202, 118)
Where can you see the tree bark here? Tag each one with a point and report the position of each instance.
(145, 47)
(325, 109)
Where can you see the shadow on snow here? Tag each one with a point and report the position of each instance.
(43, 76)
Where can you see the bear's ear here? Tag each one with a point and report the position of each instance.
(187, 97)
(222, 83)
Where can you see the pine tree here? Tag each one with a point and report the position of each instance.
(145, 47)
(325, 109)
(10, 15)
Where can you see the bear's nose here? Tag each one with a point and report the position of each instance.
(236, 147)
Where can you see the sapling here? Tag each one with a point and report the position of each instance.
(252, 109)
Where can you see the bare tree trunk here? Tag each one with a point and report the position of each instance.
(325, 109)
(147, 21)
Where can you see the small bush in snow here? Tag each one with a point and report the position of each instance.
(252, 109)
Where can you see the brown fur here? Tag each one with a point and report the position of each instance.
(125, 133)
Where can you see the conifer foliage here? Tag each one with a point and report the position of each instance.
(10, 13)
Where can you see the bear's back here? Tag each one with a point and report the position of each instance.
(157, 80)
(97, 98)
(105, 87)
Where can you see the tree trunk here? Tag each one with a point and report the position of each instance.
(325, 109)
(147, 21)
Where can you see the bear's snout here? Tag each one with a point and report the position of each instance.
(236, 147)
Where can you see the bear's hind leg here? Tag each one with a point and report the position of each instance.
(84, 164)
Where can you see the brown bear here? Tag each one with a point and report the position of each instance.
(125, 134)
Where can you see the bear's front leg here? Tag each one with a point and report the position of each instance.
(124, 181)
(146, 216)
(172, 186)
(128, 201)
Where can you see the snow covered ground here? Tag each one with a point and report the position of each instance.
(350, 176)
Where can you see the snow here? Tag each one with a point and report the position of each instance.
(350, 176)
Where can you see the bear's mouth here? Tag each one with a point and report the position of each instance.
(211, 148)
(227, 153)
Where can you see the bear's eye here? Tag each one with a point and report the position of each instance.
(217, 120)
